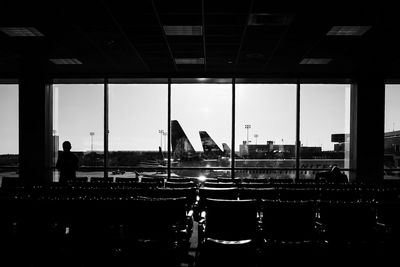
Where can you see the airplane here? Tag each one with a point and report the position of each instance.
(212, 150)
(182, 149)
(184, 155)
(227, 149)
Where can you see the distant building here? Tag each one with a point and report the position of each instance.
(341, 141)
(392, 149)
(285, 151)
(271, 150)
(309, 152)
(243, 150)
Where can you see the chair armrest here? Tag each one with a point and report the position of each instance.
(382, 228)
(196, 209)
(190, 213)
(259, 217)
(202, 218)
(196, 202)
(201, 231)
(320, 227)
(67, 232)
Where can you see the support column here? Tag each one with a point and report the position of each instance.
(35, 124)
(367, 129)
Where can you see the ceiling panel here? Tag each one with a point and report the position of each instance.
(120, 38)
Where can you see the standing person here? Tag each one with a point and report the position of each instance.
(67, 163)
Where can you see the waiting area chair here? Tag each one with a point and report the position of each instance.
(228, 232)
(351, 231)
(289, 231)
(155, 231)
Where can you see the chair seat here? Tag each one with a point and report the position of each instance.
(229, 242)
(290, 242)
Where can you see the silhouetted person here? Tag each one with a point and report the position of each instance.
(332, 176)
(67, 164)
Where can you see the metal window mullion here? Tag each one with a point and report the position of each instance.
(169, 129)
(233, 129)
(297, 130)
(105, 127)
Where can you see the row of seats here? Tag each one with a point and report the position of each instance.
(133, 219)
(195, 198)
(95, 229)
(192, 192)
(183, 182)
(45, 203)
(243, 230)
(300, 193)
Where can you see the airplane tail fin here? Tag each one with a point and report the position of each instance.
(227, 150)
(181, 146)
(211, 149)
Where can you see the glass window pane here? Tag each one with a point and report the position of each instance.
(324, 127)
(78, 115)
(137, 126)
(266, 130)
(392, 131)
(201, 123)
(9, 130)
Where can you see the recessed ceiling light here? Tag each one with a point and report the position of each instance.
(65, 61)
(21, 31)
(315, 61)
(189, 60)
(348, 30)
(183, 30)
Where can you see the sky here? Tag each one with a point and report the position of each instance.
(138, 111)
(392, 107)
(324, 110)
(270, 110)
(8, 119)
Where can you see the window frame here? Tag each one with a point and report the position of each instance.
(233, 81)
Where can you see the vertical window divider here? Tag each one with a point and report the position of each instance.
(233, 129)
(49, 144)
(297, 155)
(106, 127)
(169, 130)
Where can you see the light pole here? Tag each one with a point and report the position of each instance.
(247, 126)
(256, 136)
(165, 140)
(91, 140)
(161, 132)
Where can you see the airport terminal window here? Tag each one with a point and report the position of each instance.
(9, 130)
(265, 131)
(324, 127)
(392, 131)
(137, 126)
(201, 128)
(78, 117)
(200, 123)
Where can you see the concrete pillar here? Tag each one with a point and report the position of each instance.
(367, 128)
(35, 123)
